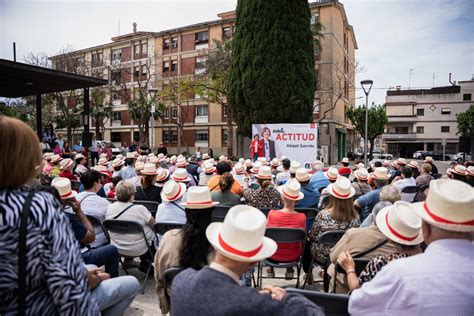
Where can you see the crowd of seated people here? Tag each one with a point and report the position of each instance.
(438, 218)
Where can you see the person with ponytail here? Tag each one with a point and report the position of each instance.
(225, 196)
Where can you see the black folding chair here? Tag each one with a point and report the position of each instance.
(151, 206)
(75, 185)
(162, 227)
(284, 236)
(310, 214)
(219, 213)
(98, 224)
(360, 265)
(408, 194)
(333, 304)
(168, 277)
(121, 227)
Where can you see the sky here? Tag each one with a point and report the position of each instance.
(433, 38)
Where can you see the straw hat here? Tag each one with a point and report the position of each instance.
(151, 155)
(241, 160)
(162, 174)
(262, 160)
(394, 164)
(64, 164)
(275, 162)
(139, 165)
(459, 169)
(77, 156)
(401, 161)
(256, 166)
(222, 158)
(199, 198)
(104, 155)
(361, 174)
(318, 164)
(47, 156)
(470, 171)
(154, 160)
(332, 173)
(241, 236)
(302, 175)
(63, 185)
(119, 156)
(103, 161)
(180, 175)
(341, 189)
(264, 173)
(239, 168)
(248, 163)
(117, 162)
(208, 167)
(211, 160)
(385, 163)
(293, 166)
(380, 173)
(449, 205)
(130, 156)
(428, 159)
(142, 158)
(149, 169)
(172, 191)
(181, 162)
(413, 164)
(400, 223)
(55, 158)
(345, 160)
(360, 165)
(102, 169)
(160, 155)
(173, 159)
(205, 156)
(291, 190)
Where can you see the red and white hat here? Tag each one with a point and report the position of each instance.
(102, 169)
(385, 163)
(154, 160)
(139, 165)
(341, 189)
(248, 163)
(239, 168)
(56, 158)
(302, 175)
(401, 161)
(63, 185)
(172, 191)
(208, 167)
(162, 174)
(470, 171)
(449, 205)
(181, 162)
(149, 169)
(65, 163)
(428, 159)
(361, 174)
(400, 223)
(413, 164)
(205, 156)
(332, 173)
(180, 175)
(256, 166)
(459, 169)
(291, 190)
(275, 162)
(173, 159)
(103, 161)
(345, 160)
(294, 165)
(222, 158)
(117, 162)
(104, 155)
(130, 155)
(241, 236)
(48, 156)
(199, 198)
(264, 173)
(380, 173)
(77, 156)
(262, 160)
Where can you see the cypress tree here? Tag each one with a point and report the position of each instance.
(272, 77)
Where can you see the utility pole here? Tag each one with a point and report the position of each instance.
(412, 70)
(434, 77)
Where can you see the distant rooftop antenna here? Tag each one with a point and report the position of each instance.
(134, 27)
(434, 77)
(453, 83)
(412, 71)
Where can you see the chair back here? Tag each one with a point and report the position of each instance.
(331, 238)
(97, 223)
(75, 185)
(360, 265)
(124, 227)
(162, 227)
(168, 276)
(309, 212)
(151, 206)
(333, 304)
(266, 210)
(286, 235)
(219, 212)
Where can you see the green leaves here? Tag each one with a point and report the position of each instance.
(465, 122)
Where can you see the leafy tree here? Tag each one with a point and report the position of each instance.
(272, 77)
(101, 110)
(465, 122)
(377, 118)
(12, 111)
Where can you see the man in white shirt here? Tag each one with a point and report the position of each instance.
(439, 281)
(60, 141)
(92, 204)
(128, 172)
(406, 180)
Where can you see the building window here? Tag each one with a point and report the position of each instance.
(314, 18)
(444, 129)
(117, 116)
(401, 130)
(445, 111)
(174, 112)
(201, 136)
(174, 136)
(115, 96)
(420, 112)
(116, 137)
(166, 43)
(166, 66)
(136, 71)
(420, 129)
(117, 55)
(224, 110)
(227, 32)
(96, 58)
(116, 77)
(201, 110)
(166, 136)
(201, 37)
(200, 65)
(144, 70)
(174, 65)
(144, 48)
(166, 113)
(174, 42)
(136, 49)
(467, 97)
(224, 136)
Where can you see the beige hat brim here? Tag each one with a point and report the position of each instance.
(300, 194)
(269, 246)
(265, 178)
(180, 180)
(199, 206)
(149, 173)
(331, 192)
(374, 176)
(382, 225)
(420, 211)
(183, 189)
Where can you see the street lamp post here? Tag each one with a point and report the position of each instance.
(366, 86)
(153, 93)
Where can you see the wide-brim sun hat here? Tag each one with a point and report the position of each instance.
(332, 173)
(63, 185)
(264, 173)
(130, 155)
(139, 165)
(302, 175)
(345, 160)
(56, 158)
(449, 206)
(239, 168)
(275, 162)
(117, 163)
(399, 223)
(380, 173)
(163, 174)
(428, 159)
(172, 191)
(180, 175)
(149, 169)
(361, 174)
(66, 163)
(199, 198)
(102, 170)
(77, 156)
(103, 161)
(291, 190)
(341, 189)
(413, 164)
(459, 169)
(470, 171)
(241, 236)
(401, 161)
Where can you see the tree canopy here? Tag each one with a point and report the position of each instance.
(272, 76)
(465, 122)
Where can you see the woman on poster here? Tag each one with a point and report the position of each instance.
(256, 148)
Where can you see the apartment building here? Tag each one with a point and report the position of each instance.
(156, 58)
(424, 119)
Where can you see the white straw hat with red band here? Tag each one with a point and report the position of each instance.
(291, 190)
(173, 159)
(345, 160)
(241, 236)
(205, 156)
(56, 158)
(459, 169)
(264, 173)
(149, 169)
(66, 163)
(139, 165)
(449, 205)
(239, 168)
(180, 175)
(130, 155)
(380, 173)
(208, 167)
(256, 166)
(102, 169)
(275, 162)
(294, 165)
(262, 160)
(361, 174)
(63, 185)
(117, 162)
(302, 175)
(413, 164)
(385, 163)
(332, 173)
(162, 174)
(401, 161)
(341, 189)
(248, 163)
(470, 171)
(400, 223)
(181, 162)
(199, 198)
(77, 156)
(154, 160)
(173, 191)
(103, 161)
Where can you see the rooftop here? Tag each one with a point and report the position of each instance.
(435, 90)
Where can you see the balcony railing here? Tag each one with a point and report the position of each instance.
(398, 136)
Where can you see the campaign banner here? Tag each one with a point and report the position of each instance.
(295, 141)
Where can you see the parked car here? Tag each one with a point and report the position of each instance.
(460, 157)
(420, 154)
(102, 144)
(437, 155)
(378, 155)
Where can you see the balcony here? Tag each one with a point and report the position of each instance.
(201, 119)
(397, 136)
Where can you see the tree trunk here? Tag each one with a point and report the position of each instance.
(69, 133)
(371, 151)
(230, 136)
(97, 129)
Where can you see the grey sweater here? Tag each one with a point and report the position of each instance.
(210, 292)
